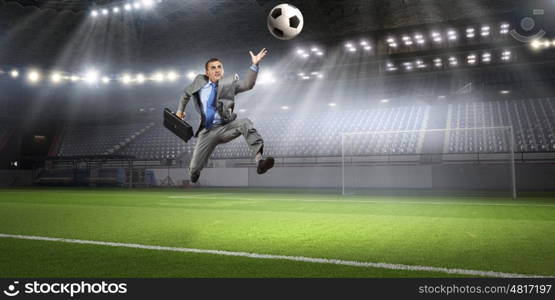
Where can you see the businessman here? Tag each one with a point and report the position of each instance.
(214, 99)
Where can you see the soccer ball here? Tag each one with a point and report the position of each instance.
(285, 21)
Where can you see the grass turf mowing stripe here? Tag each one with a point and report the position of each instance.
(213, 196)
(283, 257)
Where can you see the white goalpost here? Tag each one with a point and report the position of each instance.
(479, 159)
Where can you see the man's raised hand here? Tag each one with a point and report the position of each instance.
(257, 58)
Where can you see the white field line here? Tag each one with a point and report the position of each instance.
(199, 195)
(360, 201)
(352, 263)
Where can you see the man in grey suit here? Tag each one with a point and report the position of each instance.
(214, 99)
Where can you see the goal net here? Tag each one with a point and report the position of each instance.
(451, 161)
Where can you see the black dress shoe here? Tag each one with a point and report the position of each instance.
(194, 178)
(265, 165)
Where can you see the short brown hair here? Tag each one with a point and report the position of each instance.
(213, 59)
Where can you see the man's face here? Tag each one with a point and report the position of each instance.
(215, 71)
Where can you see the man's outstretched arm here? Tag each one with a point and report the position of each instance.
(250, 80)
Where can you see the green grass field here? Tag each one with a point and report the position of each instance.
(469, 233)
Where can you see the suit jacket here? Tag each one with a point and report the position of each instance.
(225, 97)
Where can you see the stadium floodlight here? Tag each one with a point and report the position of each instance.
(471, 59)
(348, 45)
(242, 110)
(91, 77)
(390, 67)
(158, 77)
(56, 77)
(285, 107)
(504, 92)
(438, 62)
(319, 53)
(384, 100)
(420, 64)
(104, 11)
(306, 55)
(393, 45)
(470, 33)
(419, 38)
(105, 79)
(74, 78)
(33, 76)
(172, 76)
(94, 13)
(453, 61)
(504, 28)
(314, 49)
(332, 104)
(452, 35)
(436, 37)
(506, 55)
(137, 5)
(300, 51)
(306, 77)
(140, 78)
(148, 3)
(127, 7)
(352, 49)
(126, 79)
(486, 57)
(485, 30)
(115, 9)
(300, 74)
(367, 48)
(539, 44)
(363, 43)
(14, 73)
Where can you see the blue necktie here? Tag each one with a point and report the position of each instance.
(211, 106)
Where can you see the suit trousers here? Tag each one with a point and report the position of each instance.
(208, 139)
